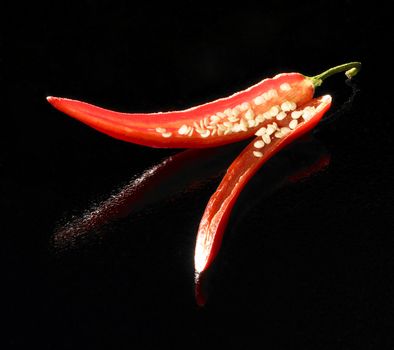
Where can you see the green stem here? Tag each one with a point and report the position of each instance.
(350, 69)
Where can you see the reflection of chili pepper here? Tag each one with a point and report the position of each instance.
(223, 121)
(176, 174)
(321, 164)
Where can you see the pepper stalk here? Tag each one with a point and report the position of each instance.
(350, 69)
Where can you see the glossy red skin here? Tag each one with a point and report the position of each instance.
(140, 128)
(217, 212)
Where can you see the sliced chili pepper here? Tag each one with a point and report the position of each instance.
(268, 142)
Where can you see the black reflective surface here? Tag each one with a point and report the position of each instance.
(92, 258)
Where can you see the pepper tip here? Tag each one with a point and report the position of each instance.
(53, 100)
(50, 99)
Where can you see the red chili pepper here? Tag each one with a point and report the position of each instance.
(223, 121)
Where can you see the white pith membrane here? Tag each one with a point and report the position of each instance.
(270, 105)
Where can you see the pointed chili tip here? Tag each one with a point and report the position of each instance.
(55, 101)
(51, 99)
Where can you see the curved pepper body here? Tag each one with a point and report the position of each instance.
(216, 123)
(218, 210)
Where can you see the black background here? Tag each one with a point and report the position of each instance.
(306, 263)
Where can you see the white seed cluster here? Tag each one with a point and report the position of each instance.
(245, 116)
(231, 120)
(273, 130)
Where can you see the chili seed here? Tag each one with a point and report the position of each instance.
(286, 106)
(266, 138)
(228, 112)
(259, 144)
(249, 114)
(270, 129)
(273, 93)
(296, 114)
(260, 118)
(205, 133)
(285, 87)
(183, 130)
(281, 116)
(243, 124)
(293, 124)
(257, 154)
(233, 119)
(214, 118)
(278, 134)
(244, 106)
(273, 111)
(259, 100)
(261, 131)
(251, 123)
(236, 111)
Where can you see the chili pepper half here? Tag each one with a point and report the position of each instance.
(289, 124)
(269, 141)
(219, 122)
